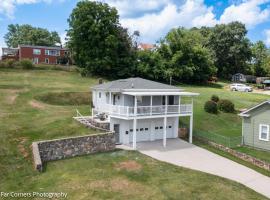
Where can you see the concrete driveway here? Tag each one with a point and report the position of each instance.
(181, 153)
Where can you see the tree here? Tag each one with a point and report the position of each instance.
(99, 44)
(260, 53)
(185, 56)
(231, 48)
(29, 35)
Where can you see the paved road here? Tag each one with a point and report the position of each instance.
(187, 155)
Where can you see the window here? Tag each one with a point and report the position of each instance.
(170, 126)
(99, 94)
(161, 127)
(47, 60)
(36, 51)
(52, 52)
(264, 132)
(130, 130)
(126, 132)
(156, 128)
(146, 129)
(141, 129)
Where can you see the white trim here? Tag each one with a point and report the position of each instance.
(160, 93)
(244, 114)
(260, 132)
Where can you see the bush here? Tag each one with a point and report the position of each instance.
(226, 106)
(211, 107)
(215, 98)
(26, 64)
(10, 63)
(2, 64)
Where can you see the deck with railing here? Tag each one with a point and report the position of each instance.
(126, 111)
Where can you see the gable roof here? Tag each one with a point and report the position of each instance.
(137, 84)
(246, 113)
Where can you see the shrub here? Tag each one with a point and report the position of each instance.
(10, 63)
(26, 64)
(226, 106)
(215, 98)
(2, 64)
(211, 107)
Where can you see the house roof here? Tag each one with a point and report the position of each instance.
(146, 46)
(44, 47)
(135, 84)
(246, 113)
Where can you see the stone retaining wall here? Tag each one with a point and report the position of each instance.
(49, 150)
(259, 163)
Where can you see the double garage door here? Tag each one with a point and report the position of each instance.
(145, 132)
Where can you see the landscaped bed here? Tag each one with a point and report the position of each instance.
(115, 175)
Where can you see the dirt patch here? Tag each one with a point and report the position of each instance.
(21, 147)
(37, 105)
(130, 165)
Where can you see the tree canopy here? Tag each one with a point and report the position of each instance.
(100, 45)
(231, 48)
(29, 35)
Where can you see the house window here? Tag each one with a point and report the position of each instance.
(161, 127)
(146, 129)
(126, 132)
(36, 51)
(52, 52)
(156, 128)
(47, 60)
(141, 129)
(264, 132)
(170, 126)
(130, 130)
(99, 94)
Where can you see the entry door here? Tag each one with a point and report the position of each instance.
(116, 128)
(35, 60)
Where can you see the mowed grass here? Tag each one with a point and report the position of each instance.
(114, 175)
(226, 124)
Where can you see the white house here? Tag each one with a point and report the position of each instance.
(142, 110)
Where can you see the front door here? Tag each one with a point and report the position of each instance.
(116, 128)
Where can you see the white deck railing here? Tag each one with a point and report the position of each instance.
(127, 111)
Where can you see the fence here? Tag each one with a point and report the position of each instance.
(230, 142)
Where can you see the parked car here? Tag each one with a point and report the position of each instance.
(240, 87)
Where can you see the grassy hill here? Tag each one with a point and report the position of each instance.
(39, 104)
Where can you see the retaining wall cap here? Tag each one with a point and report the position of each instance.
(75, 137)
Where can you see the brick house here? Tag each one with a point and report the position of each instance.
(40, 54)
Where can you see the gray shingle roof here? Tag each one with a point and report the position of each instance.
(134, 83)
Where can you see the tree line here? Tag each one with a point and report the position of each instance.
(101, 46)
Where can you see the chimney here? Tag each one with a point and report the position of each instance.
(100, 81)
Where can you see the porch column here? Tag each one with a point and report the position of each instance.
(164, 131)
(166, 104)
(191, 123)
(110, 99)
(179, 108)
(135, 123)
(151, 104)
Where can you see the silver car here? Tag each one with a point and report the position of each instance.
(240, 87)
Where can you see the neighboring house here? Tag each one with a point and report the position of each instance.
(145, 46)
(142, 110)
(255, 126)
(10, 53)
(40, 54)
(241, 78)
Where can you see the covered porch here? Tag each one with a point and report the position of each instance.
(166, 112)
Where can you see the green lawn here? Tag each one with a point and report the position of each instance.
(115, 175)
(257, 153)
(223, 123)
